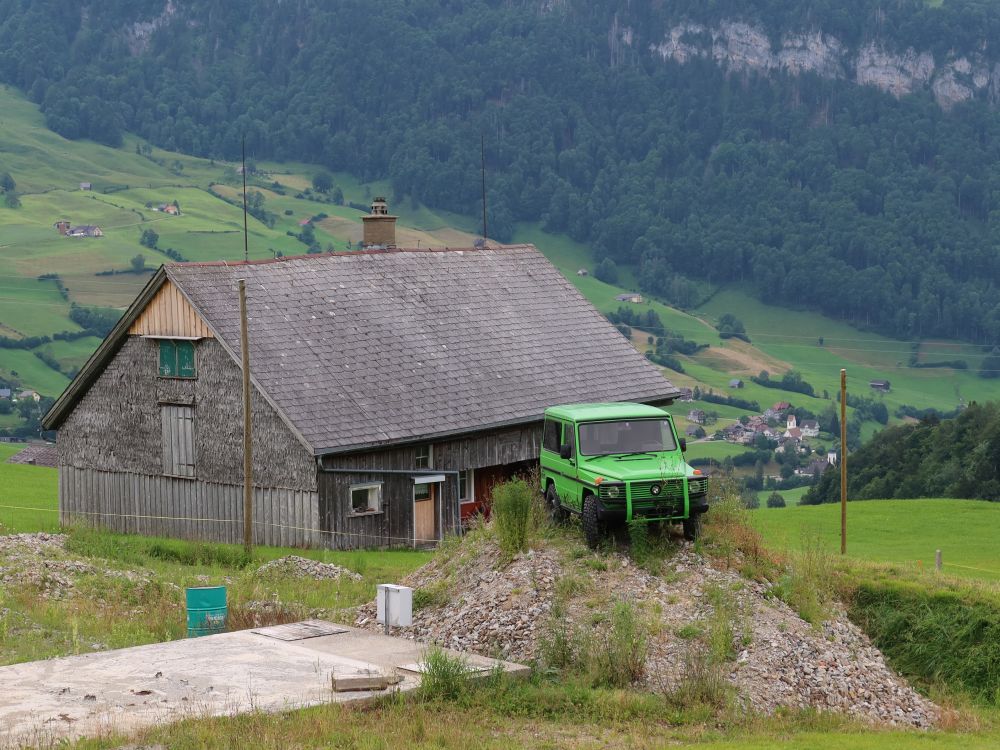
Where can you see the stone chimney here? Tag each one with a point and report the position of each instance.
(379, 226)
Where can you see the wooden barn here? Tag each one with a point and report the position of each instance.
(391, 389)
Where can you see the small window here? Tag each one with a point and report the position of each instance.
(421, 492)
(424, 457)
(550, 435)
(177, 359)
(465, 487)
(366, 498)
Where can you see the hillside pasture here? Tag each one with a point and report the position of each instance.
(905, 532)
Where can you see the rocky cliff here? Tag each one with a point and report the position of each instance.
(741, 46)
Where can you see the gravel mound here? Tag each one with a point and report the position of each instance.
(782, 661)
(301, 567)
(40, 561)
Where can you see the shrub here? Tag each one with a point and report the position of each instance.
(620, 659)
(775, 500)
(512, 514)
(445, 677)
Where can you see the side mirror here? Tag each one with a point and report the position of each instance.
(565, 451)
(684, 445)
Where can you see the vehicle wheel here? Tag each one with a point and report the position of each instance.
(557, 513)
(593, 529)
(692, 527)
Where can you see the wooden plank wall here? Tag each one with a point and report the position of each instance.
(169, 314)
(185, 508)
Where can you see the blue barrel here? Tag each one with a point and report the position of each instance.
(206, 610)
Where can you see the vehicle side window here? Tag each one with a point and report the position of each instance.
(550, 435)
(569, 437)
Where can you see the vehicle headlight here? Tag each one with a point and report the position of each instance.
(614, 491)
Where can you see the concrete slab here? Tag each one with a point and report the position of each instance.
(229, 673)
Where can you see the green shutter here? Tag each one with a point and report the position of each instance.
(168, 359)
(185, 359)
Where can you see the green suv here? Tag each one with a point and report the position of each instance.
(614, 463)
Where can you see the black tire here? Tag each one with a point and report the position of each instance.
(557, 513)
(593, 529)
(692, 527)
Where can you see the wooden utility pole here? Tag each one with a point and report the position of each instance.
(843, 462)
(247, 438)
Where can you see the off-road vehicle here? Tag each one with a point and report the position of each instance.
(615, 463)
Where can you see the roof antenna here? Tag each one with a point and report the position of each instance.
(246, 247)
(482, 154)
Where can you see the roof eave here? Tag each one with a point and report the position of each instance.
(668, 397)
(94, 366)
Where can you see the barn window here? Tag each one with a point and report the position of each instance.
(424, 457)
(177, 358)
(465, 485)
(178, 440)
(366, 498)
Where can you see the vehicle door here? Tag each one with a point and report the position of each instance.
(564, 462)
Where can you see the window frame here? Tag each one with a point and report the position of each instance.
(421, 461)
(368, 486)
(175, 344)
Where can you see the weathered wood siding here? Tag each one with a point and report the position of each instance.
(186, 509)
(111, 454)
(169, 314)
(393, 527)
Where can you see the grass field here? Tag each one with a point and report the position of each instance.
(906, 532)
(792, 497)
(34, 490)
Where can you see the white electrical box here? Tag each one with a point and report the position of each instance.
(397, 601)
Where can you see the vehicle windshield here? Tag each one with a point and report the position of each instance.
(626, 437)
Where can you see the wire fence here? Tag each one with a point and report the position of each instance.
(259, 524)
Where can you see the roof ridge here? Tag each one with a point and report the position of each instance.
(366, 251)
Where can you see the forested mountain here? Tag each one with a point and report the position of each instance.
(836, 154)
(936, 458)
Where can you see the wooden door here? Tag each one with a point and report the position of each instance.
(424, 517)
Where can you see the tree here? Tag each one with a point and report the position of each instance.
(11, 200)
(138, 263)
(607, 271)
(7, 183)
(775, 500)
(323, 182)
(149, 239)
(338, 196)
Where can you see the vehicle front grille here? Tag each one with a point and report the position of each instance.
(668, 489)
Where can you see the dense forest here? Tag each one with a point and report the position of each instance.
(957, 457)
(812, 191)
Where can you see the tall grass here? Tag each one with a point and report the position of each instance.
(512, 515)
(946, 637)
(620, 658)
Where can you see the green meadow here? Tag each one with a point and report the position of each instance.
(905, 532)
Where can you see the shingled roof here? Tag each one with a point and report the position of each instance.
(369, 348)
